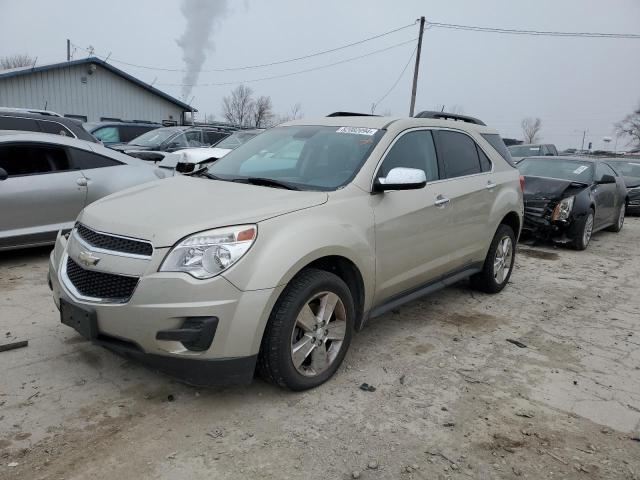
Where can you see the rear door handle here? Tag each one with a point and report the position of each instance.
(81, 181)
(491, 185)
(441, 201)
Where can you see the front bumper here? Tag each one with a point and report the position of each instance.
(558, 231)
(166, 302)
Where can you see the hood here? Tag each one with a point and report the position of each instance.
(631, 182)
(165, 211)
(543, 188)
(125, 147)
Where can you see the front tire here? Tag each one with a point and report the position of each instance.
(308, 332)
(498, 264)
(584, 231)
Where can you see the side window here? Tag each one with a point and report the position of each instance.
(128, 132)
(18, 123)
(211, 137)
(194, 138)
(107, 134)
(55, 128)
(603, 169)
(412, 150)
(485, 163)
(179, 141)
(553, 150)
(496, 142)
(85, 160)
(458, 153)
(20, 160)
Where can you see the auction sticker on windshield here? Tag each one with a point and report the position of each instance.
(580, 169)
(357, 130)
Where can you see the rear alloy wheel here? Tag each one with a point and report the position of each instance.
(498, 264)
(308, 332)
(616, 227)
(584, 231)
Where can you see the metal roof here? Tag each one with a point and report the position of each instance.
(53, 66)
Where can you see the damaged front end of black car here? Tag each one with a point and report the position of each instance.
(556, 210)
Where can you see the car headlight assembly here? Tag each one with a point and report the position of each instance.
(563, 209)
(207, 254)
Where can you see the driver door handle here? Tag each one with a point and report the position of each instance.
(490, 185)
(441, 201)
(81, 181)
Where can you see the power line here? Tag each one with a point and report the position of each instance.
(272, 77)
(548, 33)
(397, 80)
(269, 64)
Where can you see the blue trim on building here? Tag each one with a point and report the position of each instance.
(102, 63)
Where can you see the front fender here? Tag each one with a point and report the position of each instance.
(286, 244)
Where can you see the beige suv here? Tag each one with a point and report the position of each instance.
(273, 256)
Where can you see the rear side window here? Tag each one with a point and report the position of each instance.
(55, 128)
(129, 132)
(211, 138)
(496, 142)
(458, 153)
(485, 163)
(413, 150)
(19, 160)
(85, 160)
(18, 123)
(108, 134)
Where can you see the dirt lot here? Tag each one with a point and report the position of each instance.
(453, 398)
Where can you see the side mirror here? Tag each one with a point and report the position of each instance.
(3, 174)
(401, 178)
(185, 167)
(607, 179)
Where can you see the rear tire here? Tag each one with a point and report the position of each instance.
(308, 332)
(498, 264)
(584, 231)
(616, 227)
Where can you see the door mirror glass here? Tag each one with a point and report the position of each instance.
(401, 178)
(3, 174)
(607, 179)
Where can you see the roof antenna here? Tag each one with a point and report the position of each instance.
(34, 63)
(442, 108)
(107, 59)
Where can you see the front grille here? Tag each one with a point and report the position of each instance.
(113, 243)
(106, 286)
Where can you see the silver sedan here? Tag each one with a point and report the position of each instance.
(46, 180)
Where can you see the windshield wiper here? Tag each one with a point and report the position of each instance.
(205, 173)
(266, 182)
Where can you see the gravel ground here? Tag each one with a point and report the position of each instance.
(453, 398)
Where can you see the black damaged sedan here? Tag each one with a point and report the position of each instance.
(568, 199)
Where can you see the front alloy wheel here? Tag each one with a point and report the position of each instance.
(318, 334)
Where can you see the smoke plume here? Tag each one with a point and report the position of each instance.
(202, 17)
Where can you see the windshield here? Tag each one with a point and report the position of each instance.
(154, 138)
(236, 139)
(307, 157)
(626, 169)
(524, 150)
(573, 170)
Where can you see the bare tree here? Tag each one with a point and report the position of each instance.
(238, 108)
(262, 112)
(630, 127)
(294, 113)
(530, 129)
(15, 61)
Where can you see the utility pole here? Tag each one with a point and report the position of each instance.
(415, 70)
(584, 134)
(68, 50)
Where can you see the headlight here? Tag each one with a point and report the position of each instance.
(206, 254)
(563, 209)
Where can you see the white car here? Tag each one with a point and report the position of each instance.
(191, 160)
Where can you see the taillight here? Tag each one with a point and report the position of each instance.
(522, 183)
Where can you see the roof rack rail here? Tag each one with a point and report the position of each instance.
(449, 116)
(351, 114)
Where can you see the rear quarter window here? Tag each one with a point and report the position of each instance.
(498, 145)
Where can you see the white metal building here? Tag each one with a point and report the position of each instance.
(90, 90)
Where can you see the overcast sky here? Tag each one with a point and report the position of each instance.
(572, 84)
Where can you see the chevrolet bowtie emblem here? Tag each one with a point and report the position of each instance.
(87, 259)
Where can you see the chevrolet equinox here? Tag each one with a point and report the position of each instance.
(271, 258)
